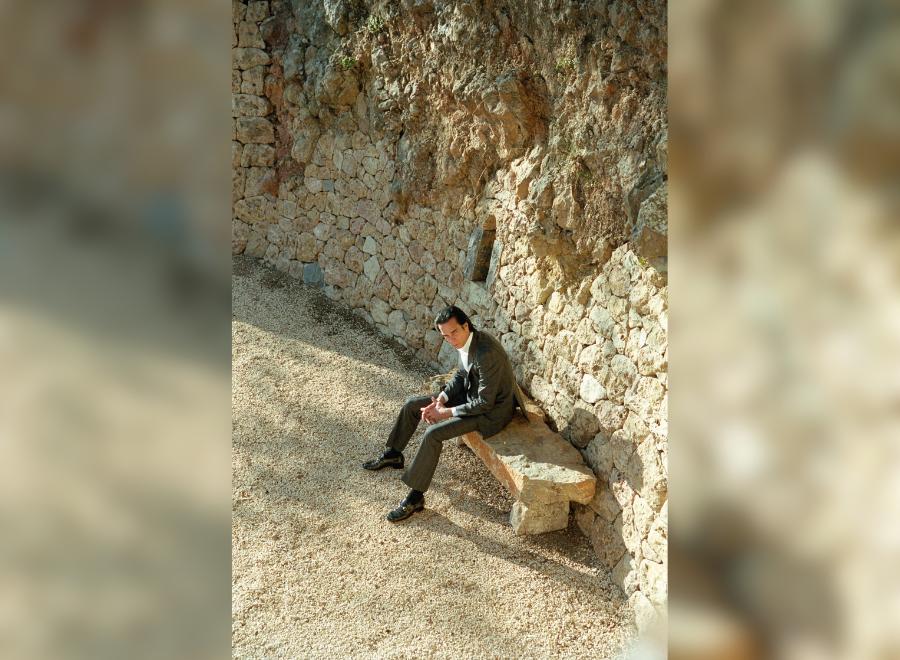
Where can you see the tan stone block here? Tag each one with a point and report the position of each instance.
(238, 178)
(606, 539)
(248, 58)
(249, 35)
(539, 517)
(261, 180)
(257, 11)
(249, 105)
(625, 574)
(254, 210)
(255, 130)
(258, 155)
(535, 464)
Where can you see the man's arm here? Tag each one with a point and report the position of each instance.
(456, 388)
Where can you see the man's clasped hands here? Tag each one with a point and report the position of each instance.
(435, 411)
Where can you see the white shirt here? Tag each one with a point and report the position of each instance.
(464, 359)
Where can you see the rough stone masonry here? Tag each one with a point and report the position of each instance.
(511, 157)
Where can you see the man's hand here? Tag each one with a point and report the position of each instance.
(428, 411)
(440, 412)
(435, 411)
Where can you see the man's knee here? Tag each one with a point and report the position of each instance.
(413, 404)
(436, 435)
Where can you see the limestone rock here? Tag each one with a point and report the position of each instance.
(604, 504)
(259, 155)
(247, 58)
(539, 517)
(306, 247)
(370, 246)
(625, 575)
(254, 209)
(535, 464)
(255, 129)
(591, 390)
(606, 539)
(644, 397)
(371, 268)
(653, 581)
(313, 275)
(611, 417)
(644, 613)
(249, 105)
(397, 323)
(622, 374)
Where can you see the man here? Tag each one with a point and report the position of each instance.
(481, 397)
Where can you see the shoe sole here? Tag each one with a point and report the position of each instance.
(381, 467)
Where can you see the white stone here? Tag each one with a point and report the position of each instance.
(653, 581)
(591, 390)
(644, 613)
(603, 321)
(380, 311)
(644, 398)
(622, 374)
(643, 516)
(397, 323)
(542, 391)
(370, 246)
(604, 504)
(625, 575)
(372, 268)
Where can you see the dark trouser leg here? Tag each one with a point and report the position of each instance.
(407, 421)
(418, 475)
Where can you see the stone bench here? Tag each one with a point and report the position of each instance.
(540, 468)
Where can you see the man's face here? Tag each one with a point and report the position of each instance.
(456, 335)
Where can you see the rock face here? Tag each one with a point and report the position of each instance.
(510, 159)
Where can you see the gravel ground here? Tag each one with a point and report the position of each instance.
(316, 569)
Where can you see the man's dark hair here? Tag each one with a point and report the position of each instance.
(452, 312)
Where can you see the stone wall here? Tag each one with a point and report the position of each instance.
(510, 160)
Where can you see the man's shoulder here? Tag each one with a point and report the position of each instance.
(487, 344)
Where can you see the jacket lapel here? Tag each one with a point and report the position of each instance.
(471, 355)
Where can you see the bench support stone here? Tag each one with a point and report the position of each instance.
(540, 469)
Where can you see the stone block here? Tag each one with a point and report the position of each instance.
(249, 105)
(539, 517)
(249, 35)
(255, 130)
(645, 614)
(591, 390)
(535, 464)
(371, 268)
(625, 575)
(257, 11)
(313, 275)
(606, 539)
(247, 58)
(257, 155)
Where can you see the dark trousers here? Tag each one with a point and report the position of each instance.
(418, 475)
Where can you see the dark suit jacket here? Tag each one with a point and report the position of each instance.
(489, 389)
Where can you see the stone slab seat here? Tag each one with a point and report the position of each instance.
(540, 468)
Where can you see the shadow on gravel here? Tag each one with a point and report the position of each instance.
(436, 522)
(277, 452)
(330, 316)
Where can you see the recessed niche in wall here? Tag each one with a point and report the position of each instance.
(478, 257)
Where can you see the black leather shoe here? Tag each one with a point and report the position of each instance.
(384, 461)
(405, 509)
